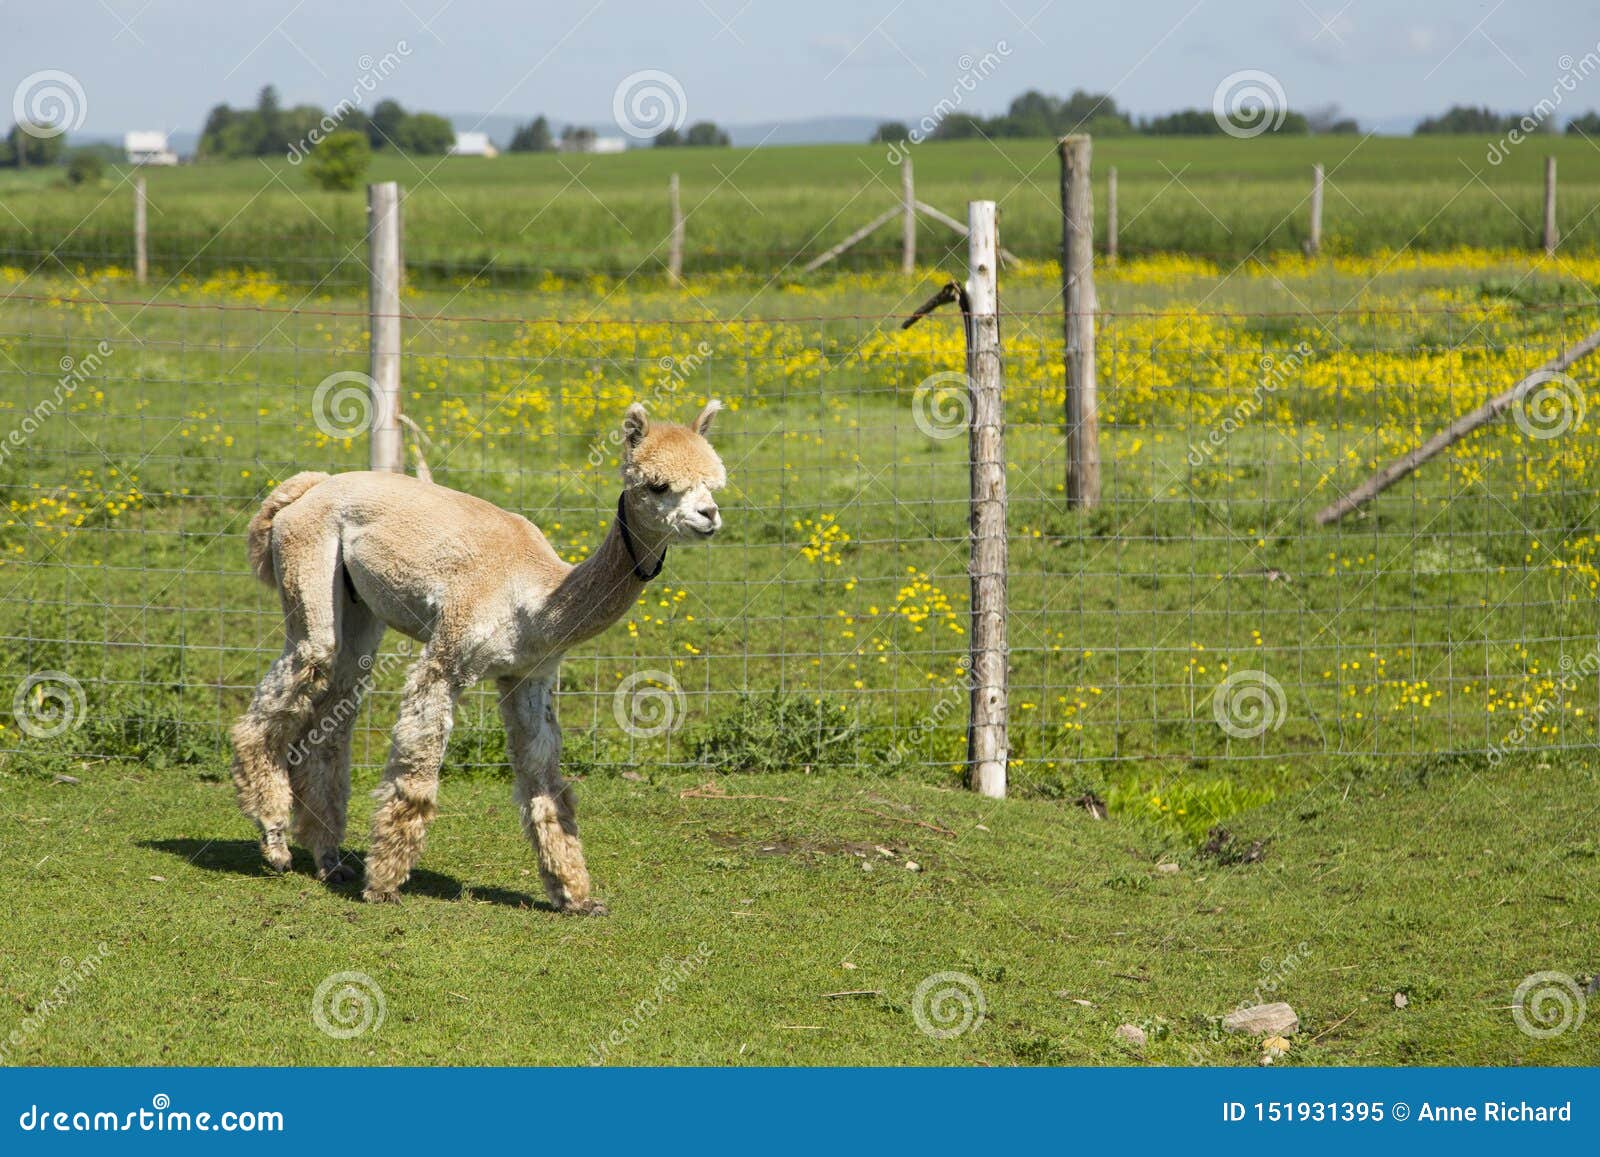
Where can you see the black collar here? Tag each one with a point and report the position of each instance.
(627, 541)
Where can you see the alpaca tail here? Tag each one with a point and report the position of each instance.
(259, 536)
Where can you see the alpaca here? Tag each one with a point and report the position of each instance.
(482, 590)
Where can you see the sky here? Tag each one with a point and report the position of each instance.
(144, 64)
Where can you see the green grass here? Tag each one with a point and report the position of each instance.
(1448, 885)
(508, 218)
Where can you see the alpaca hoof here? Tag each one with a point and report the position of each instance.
(373, 896)
(337, 873)
(277, 858)
(587, 908)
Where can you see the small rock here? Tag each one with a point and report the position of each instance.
(1131, 1033)
(913, 866)
(867, 865)
(159, 879)
(1401, 1000)
(883, 851)
(1276, 1019)
(1168, 869)
(633, 776)
(980, 827)
(846, 964)
(67, 779)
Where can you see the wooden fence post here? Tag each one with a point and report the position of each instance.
(1314, 240)
(1077, 292)
(987, 742)
(1551, 234)
(141, 223)
(908, 222)
(675, 252)
(383, 323)
(1111, 216)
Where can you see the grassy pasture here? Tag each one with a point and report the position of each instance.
(814, 643)
(509, 218)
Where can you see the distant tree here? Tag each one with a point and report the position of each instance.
(271, 134)
(1189, 122)
(1464, 119)
(958, 126)
(212, 136)
(577, 139)
(705, 134)
(533, 137)
(85, 167)
(667, 138)
(29, 145)
(338, 161)
(890, 132)
(1584, 125)
(426, 133)
(1327, 120)
(383, 126)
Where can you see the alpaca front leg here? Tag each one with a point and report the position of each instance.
(544, 800)
(410, 787)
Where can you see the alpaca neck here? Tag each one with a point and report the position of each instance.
(604, 587)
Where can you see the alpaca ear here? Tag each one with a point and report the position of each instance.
(635, 425)
(702, 424)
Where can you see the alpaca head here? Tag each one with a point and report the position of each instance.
(671, 473)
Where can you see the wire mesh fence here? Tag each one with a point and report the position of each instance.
(1198, 617)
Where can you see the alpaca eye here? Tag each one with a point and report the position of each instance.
(659, 487)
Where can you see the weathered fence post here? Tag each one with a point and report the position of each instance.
(1314, 239)
(141, 224)
(1111, 216)
(987, 742)
(1551, 234)
(1077, 292)
(675, 250)
(908, 222)
(383, 323)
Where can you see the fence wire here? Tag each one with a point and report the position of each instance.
(1197, 618)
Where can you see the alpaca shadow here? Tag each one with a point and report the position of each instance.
(243, 858)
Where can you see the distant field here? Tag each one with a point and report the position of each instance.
(510, 218)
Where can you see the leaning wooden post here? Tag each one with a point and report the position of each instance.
(383, 323)
(1551, 234)
(987, 743)
(141, 230)
(1314, 240)
(675, 251)
(908, 221)
(1111, 216)
(1077, 293)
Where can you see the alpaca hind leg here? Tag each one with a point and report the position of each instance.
(319, 763)
(545, 800)
(283, 705)
(406, 797)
